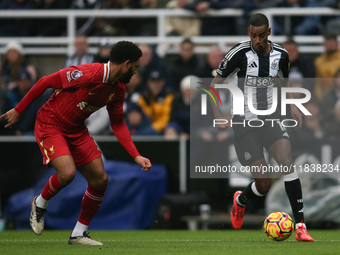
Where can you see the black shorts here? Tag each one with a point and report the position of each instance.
(250, 141)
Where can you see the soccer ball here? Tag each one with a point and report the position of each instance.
(278, 226)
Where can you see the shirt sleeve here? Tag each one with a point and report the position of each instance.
(50, 81)
(115, 110)
(284, 65)
(84, 75)
(122, 133)
(230, 62)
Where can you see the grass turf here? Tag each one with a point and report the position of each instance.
(250, 242)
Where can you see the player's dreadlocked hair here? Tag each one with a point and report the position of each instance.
(124, 50)
(257, 20)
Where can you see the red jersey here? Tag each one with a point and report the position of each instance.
(80, 91)
(84, 91)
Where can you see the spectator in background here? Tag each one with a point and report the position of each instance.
(213, 60)
(156, 103)
(16, 26)
(180, 111)
(187, 63)
(133, 90)
(300, 25)
(326, 65)
(309, 137)
(11, 64)
(81, 56)
(25, 126)
(328, 102)
(98, 123)
(49, 26)
(183, 26)
(149, 62)
(137, 122)
(117, 26)
(334, 131)
(103, 55)
(300, 65)
(213, 26)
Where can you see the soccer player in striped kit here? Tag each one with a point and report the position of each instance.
(63, 138)
(256, 64)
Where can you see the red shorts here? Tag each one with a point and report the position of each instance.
(54, 142)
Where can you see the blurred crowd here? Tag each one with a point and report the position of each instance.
(158, 96)
(184, 26)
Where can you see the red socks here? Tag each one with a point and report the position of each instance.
(52, 187)
(91, 202)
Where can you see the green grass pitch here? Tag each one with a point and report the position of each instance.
(148, 242)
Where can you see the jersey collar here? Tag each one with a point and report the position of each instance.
(106, 72)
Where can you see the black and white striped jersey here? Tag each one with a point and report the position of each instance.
(245, 67)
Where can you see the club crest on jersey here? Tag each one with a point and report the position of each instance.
(223, 64)
(247, 155)
(275, 65)
(76, 74)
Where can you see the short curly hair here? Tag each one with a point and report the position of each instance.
(257, 20)
(124, 50)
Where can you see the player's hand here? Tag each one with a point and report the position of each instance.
(12, 117)
(144, 162)
(296, 114)
(222, 126)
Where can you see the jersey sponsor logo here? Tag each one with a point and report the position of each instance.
(82, 105)
(252, 65)
(76, 74)
(275, 65)
(87, 107)
(68, 75)
(256, 81)
(247, 155)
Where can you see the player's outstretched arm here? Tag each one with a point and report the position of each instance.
(294, 111)
(144, 162)
(217, 80)
(12, 117)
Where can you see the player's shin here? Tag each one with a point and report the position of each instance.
(52, 187)
(91, 202)
(294, 193)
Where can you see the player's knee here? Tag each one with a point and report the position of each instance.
(105, 180)
(66, 178)
(263, 185)
(100, 182)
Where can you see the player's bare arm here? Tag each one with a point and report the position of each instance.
(144, 162)
(12, 117)
(296, 114)
(217, 80)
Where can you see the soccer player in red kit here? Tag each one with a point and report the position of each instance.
(64, 139)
